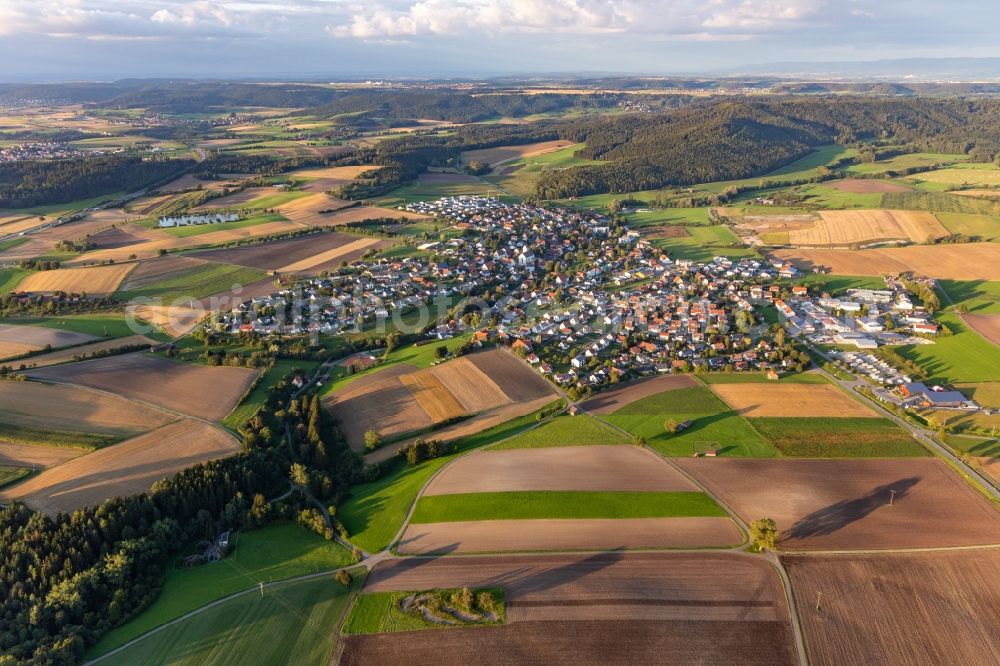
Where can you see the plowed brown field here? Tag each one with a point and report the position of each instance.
(433, 397)
(124, 469)
(560, 468)
(844, 504)
(470, 385)
(196, 390)
(923, 609)
(986, 325)
(67, 408)
(611, 608)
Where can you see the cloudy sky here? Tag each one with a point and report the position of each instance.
(66, 39)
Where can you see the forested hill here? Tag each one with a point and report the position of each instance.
(27, 184)
(740, 138)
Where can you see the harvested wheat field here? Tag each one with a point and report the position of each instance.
(555, 534)
(73, 353)
(847, 227)
(844, 504)
(559, 468)
(189, 182)
(308, 254)
(494, 156)
(433, 397)
(923, 609)
(115, 238)
(986, 325)
(965, 261)
(44, 241)
(377, 401)
(34, 455)
(20, 339)
(609, 608)
(68, 408)
(467, 427)
(196, 390)
(175, 320)
(93, 280)
(124, 469)
(757, 399)
(327, 178)
(15, 223)
(512, 375)
(865, 186)
(471, 386)
(607, 402)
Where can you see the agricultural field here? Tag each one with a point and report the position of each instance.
(382, 612)
(866, 186)
(374, 512)
(194, 283)
(791, 400)
(10, 278)
(845, 504)
(985, 226)
(41, 413)
(564, 430)
(401, 398)
(307, 255)
(713, 424)
(503, 154)
(964, 356)
(565, 468)
(198, 391)
(979, 297)
(269, 554)
(43, 242)
(9, 475)
(34, 456)
(20, 340)
(835, 437)
(968, 261)
(431, 186)
(613, 399)
(605, 608)
(294, 622)
(864, 226)
(82, 351)
(92, 280)
(960, 175)
(127, 468)
(912, 608)
(986, 325)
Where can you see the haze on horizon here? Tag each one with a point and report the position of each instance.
(67, 39)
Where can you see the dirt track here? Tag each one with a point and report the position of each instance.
(559, 468)
(844, 504)
(607, 402)
(923, 609)
(492, 536)
(612, 608)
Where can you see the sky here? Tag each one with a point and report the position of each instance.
(108, 39)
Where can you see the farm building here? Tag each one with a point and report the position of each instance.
(188, 220)
(920, 395)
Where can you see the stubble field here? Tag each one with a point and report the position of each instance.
(967, 261)
(758, 399)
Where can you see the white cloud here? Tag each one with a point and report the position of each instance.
(672, 17)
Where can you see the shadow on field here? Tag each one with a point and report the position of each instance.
(837, 516)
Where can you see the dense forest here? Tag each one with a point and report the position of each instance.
(737, 138)
(66, 580)
(29, 183)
